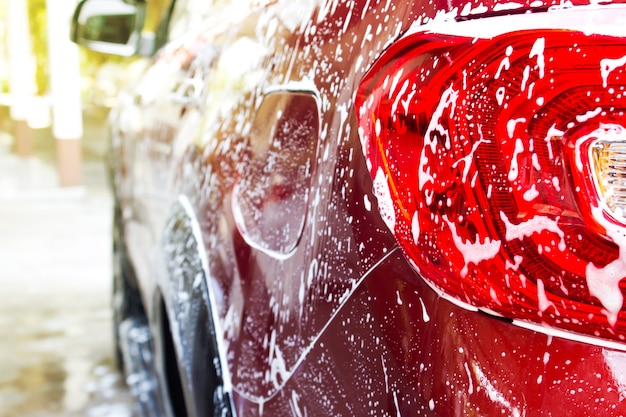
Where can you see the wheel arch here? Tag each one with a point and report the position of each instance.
(184, 310)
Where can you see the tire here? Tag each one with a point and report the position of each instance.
(126, 300)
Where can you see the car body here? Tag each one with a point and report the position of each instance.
(370, 207)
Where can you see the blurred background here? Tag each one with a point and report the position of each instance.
(55, 218)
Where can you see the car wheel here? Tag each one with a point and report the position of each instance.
(125, 298)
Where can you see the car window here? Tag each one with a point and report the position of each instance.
(187, 14)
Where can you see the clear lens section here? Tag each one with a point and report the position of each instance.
(609, 162)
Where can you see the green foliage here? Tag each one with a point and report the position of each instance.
(90, 61)
(39, 35)
(4, 78)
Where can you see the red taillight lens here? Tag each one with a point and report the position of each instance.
(498, 165)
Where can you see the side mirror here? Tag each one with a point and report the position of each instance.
(109, 26)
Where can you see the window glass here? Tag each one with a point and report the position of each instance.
(187, 14)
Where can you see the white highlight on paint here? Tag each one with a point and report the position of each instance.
(517, 259)
(409, 97)
(514, 169)
(466, 9)
(415, 227)
(511, 124)
(531, 87)
(567, 18)
(382, 359)
(608, 65)
(470, 389)
(494, 296)
(425, 315)
(500, 93)
(603, 283)
(581, 118)
(537, 51)
(473, 252)
(615, 362)
(377, 128)
(542, 298)
(525, 77)
(295, 406)
(505, 64)
(467, 160)
(553, 134)
(367, 203)
(535, 162)
(395, 81)
(531, 193)
(394, 107)
(507, 6)
(395, 401)
(493, 393)
(385, 202)
(435, 130)
(527, 228)
(278, 367)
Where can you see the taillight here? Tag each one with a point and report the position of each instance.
(499, 164)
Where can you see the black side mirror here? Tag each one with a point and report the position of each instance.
(109, 26)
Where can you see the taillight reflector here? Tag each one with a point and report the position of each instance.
(498, 164)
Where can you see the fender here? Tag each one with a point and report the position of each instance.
(184, 305)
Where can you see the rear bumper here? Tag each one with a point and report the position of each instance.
(397, 348)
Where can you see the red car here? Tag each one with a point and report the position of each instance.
(370, 207)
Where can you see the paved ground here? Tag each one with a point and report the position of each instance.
(55, 322)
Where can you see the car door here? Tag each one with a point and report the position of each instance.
(165, 102)
(284, 251)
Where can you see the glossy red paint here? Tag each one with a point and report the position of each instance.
(425, 356)
(320, 313)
